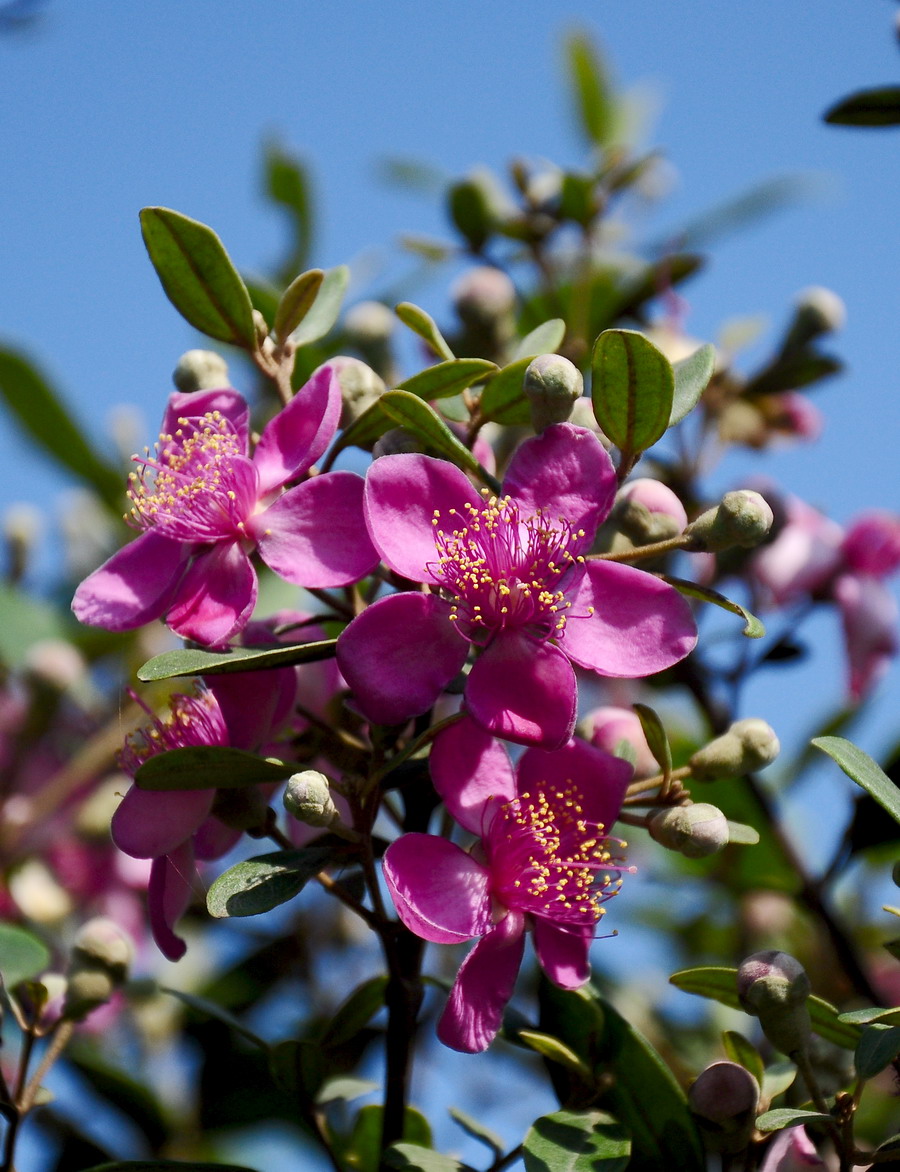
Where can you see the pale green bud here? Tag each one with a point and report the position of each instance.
(553, 385)
(397, 441)
(774, 987)
(747, 746)
(695, 830)
(818, 311)
(200, 370)
(369, 323)
(483, 296)
(360, 386)
(308, 799)
(723, 1100)
(743, 518)
(101, 957)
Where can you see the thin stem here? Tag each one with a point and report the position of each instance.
(655, 549)
(60, 1040)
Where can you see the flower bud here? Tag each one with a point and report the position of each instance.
(260, 326)
(647, 511)
(607, 727)
(748, 745)
(483, 296)
(369, 328)
(695, 830)
(818, 311)
(774, 987)
(360, 386)
(723, 1100)
(476, 205)
(743, 518)
(200, 370)
(553, 385)
(308, 799)
(23, 526)
(99, 963)
(396, 441)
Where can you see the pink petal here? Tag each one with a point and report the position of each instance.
(168, 896)
(298, 435)
(193, 404)
(399, 655)
(640, 625)
(214, 839)
(524, 691)
(467, 767)
(149, 823)
(439, 891)
(402, 495)
(564, 952)
(315, 534)
(792, 1151)
(254, 703)
(872, 544)
(483, 987)
(216, 596)
(567, 472)
(134, 586)
(600, 778)
(869, 617)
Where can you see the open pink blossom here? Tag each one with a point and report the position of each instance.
(541, 863)
(507, 577)
(792, 1151)
(204, 504)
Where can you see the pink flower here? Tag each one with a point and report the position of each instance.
(791, 1151)
(872, 544)
(869, 617)
(509, 579)
(541, 862)
(802, 559)
(204, 504)
(605, 727)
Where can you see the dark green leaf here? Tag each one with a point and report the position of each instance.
(878, 1047)
(744, 1053)
(867, 1016)
(287, 184)
(363, 1151)
(577, 1141)
(476, 1129)
(470, 207)
(207, 1008)
(198, 276)
(556, 1051)
(22, 955)
(655, 735)
(577, 198)
(448, 378)
(860, 768)
(692, 375)
(412, 413)
(414, 1158)
(362, 1004)
(261, 883)
(753, 628)
(543, 339)
(425, 326)
(38, 410)
(503, 399)
(296, 302)
(297, 1067)
(788, 1117)
(875, 107)
(594, 100)
(208, 767)
(323, 312)
(790, 372)
(632, 390)
(190, 661)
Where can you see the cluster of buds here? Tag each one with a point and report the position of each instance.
(98, 965)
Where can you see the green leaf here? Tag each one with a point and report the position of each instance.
(415, 1158)
(878, 1047)
(261, 883)
(503, 399)
(594, 100)
(25, 620)
(166, 1166)
(207, 1008)
(362, 1004)
(22, 955)
(556, 1051)
(632, 391)
(720, 984)
(297, 1067)
(296, 302)
(198, 277)
(744, 1053)
(789, 1117)
(448, 378)
(742, 835)
(753, 628)
(323, 312)
(860, 768)
(476, 1129)
(417, 416)
(543, 339)
(287, 184)
(692, 375)
(40, 413)
(363, 1151)
(208, 767)
(874, 107)
(425, 326)
(344, 1089)
(191, 661)
(789, 372)
(655, 735)
(867, 1016)
(576, 1141)
(777, 1078)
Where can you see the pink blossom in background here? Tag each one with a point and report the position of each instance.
(508, 578)
(541, 863)
(791, 1151)
(607, 726)
(203, 504)
(803, 558)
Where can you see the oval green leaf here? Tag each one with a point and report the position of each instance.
(860, 768)
(198, 277)
(577, 1141)
(874, 107)
(655, 735)
(323, 312)
(425, 326)
(208, 767)
(417, 416)
(191, 661)
(877, 1049)
(296, 302)
(753, 628)
(362, 1004)
(632, 391)
(415, 1158)
(867, 1016)
(363, 1150)
(744, 1053)
(789, 1117)
(448, 378)
(555, 1051)
(543, 339)
(594, 98)
(692, 375)
(503, 399)
(266, 881)
(22, 955)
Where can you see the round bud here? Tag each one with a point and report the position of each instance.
(743, 518)
(369, 323)
(308, 799)
(200, 370)
(360, 386)
(397, 441)
(101, 957)
(818, 311)
(647, 511)
(695, 830)
(748, 745)
(483, 296)
(723, 1099)
(553, 385)
(774, 987)
(607, 727)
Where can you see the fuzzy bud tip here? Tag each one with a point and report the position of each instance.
(308, 799)
(695, 830)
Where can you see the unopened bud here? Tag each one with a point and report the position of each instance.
(483, 296)
(260, 327)
(647, 511)
(308, 799)
(609, 726)
(774, 987)
(695, 831)
(744, 518)
(397, 441)
(553, 385)
(723, 1101)
(818, 311)
(748, 745)
(99, 963)
(369, 328)
(200, 370)
(476, 205)
(360, 386)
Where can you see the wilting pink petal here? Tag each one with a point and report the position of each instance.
(168, 896)
(483, 986)
(216, 596)
(134, 586)
(439, 891)
(468, 766)
(298, 435)
(563, 952)
(149, 823)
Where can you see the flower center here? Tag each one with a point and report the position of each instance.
(198, 487)
(191, 720)
(548, 860)
(505, 569)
